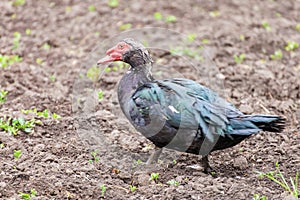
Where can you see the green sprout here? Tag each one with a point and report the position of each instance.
(239, 58)
(132, 188)
(173, 182)
(278, 177)
(266, 25)
(68, 9)
(242, 37)
(107, 69)
(45, 113)
(93, 73)
(191, 37)
(95, 157)
(157, 16)
(100, 95)
(277, 55)
(154, 177)
(258, 197)
(297, 27)
(16, 40)
(205, 41)
(3, 94)
(28, 31)
(113, 3)
(39, 61)
(6, 60)
(103, 190)
(17, 154)
(185, 51)
(18, 2)
(278, 14)
(124, 27)
(27, 196)
(13, 16)
(52, 78)
(46, 46)
(214, 13)
(13, 125)
(291, 46)
(171, 19)
(92, 8)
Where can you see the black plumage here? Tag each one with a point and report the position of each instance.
(179, 113)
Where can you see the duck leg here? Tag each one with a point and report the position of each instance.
(154, 156)
(207, 168)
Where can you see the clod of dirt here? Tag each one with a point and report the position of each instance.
(143, 179)
(240, 163)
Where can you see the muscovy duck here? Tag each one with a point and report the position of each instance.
(178, 113)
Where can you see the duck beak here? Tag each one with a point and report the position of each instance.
(111, 55)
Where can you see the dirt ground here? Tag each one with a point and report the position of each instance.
(55, 157)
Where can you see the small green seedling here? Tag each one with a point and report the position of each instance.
(2, 145)
(56, 116)
(214, 13)
(103, 190)
(185, 51)
(258, 197)
(174, 162)
(113, 3)
(16, 40)
(173, 182)
(277, 55)
(171, 19)
(154, 177)
(100, 95)
(266, 26)
(93, 73)
(95, 157)
(17, 154)
(6, 60)
(124, 27)
(13, 125)
(52, 78)
(18, 2)
(191, 37)
(291, 46)
(132, 188)
(157, 16)
(107, 69)
(3, 94)
(92, 8)
(239, 58)
(205, 41)
(297, 27)
(278, 177)
(28, 31)
(45, 113)
(68, 9)
(46, 46)
(242, 37)
(27, 196)
(39, 61)
(136, 163)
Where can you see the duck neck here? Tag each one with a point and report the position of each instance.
(131, 81)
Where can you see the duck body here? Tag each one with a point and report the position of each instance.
(179, 113)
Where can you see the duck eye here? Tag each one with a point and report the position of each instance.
(121, 46)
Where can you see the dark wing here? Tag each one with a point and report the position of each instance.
(185, 104)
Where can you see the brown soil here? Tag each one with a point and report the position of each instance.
(55, 157)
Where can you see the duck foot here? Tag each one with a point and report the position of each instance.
(207, 168)
(154, 156)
